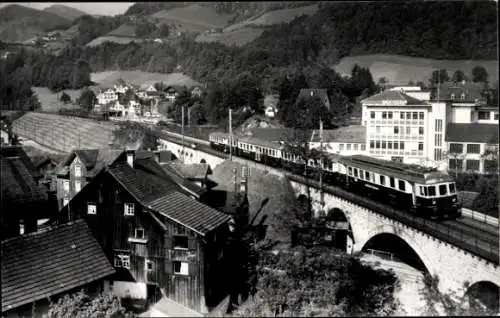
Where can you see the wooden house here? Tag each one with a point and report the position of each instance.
(159, 237)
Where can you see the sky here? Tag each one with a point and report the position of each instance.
(101, 8)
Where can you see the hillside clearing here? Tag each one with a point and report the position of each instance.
(274, 17)
(237, 37)
(200, 15)
(49, 100)
(109, 78)
(116, 39)
(398, 69)
(124, 30)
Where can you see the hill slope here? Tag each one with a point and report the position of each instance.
(19, 23)
(65, 11)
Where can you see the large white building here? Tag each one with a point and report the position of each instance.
(411, 126)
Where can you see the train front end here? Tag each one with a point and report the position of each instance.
(438, 198)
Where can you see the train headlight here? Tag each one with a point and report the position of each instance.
(433, 201)
(454, 200)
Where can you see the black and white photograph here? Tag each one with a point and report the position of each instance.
(249, 159)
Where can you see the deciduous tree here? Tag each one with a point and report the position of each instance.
(479, 74)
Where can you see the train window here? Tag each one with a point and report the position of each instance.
(443, 189)
(367, 175)
(350, 171)
(452, 188)
(391, 180)
(431, 190)
(355, 172)
(402, 185)
(382, 180)
(423, 191)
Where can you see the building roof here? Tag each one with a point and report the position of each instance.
(306, 93)
(168, 308)
(354, 134)
(196, 171)
(48, 262)
(472, 132)
(472, 91)
(54, 158)
(93, 159)
(18, 151)
(166, 196)
(392, 97)
(18, 183)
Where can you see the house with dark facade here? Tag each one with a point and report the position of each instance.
(47, 166)
(23, 201)
(160, 238)
(58, 260)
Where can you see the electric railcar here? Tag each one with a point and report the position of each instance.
(419, 190)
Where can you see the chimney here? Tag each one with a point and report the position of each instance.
(130, 157)
(156, 155)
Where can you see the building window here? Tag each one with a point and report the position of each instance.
(91, 208)
(356, 172)
(438, 125)
(349, 171)
(392, 183)
(415, 115)
(408, 115)
(442, 189)
(438, 140)
(139, 233)
(456, 148)
(382, 180)
(363, 147)
(377, 144)
(389, 145)
(396, 145)
(372, 144)
(401, 184)
(377, 129)
(438, 155)
(384, 115)
(473, 148)
(372, 115)
(452, 96)
(420, 130)
(355, 147)
(472, 165)
(402, 145)
(149, 265)
(423, 191)
(402, 115)
(78, 171)
(421, 115)
(348, 147)
(455, 164)
(495, 116)
(341, 147)
(389, 115)
(396, 130)
(78, 186)
(484, 116)
(383, 144)
(180, 242)
(66, 185)
(420, 146)
(129, 209)
(408, 130)
(181, 268)
(490, 166)
(122, 260)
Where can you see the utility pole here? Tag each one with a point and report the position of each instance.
(230, 136)
(321, 162)
(182, 126)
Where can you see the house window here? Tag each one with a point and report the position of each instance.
(148, 265)
(122, 260)
(442, 189)
(66, 185)
(396, 130)
(382, 180)
(139, 233)
(420, 146)
(472, 165)
(456, 148)
(129, 209)
(473, 148)
(181, 268)
(78, 186)
(484, 116)
(180, 242)
(78, 171)
(455, 164)
(372, 115)
(91, 208)
(402, 185)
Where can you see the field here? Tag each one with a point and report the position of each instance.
(274, 17)
(116, 39)
(64, 133)
(400, 70)
(108, 78)
(50, 100)
(194, 18)
(125, 30)
(238, 37)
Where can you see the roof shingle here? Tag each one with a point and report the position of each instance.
(393, 96)
(49, 262)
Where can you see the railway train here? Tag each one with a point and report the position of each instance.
(419, 190)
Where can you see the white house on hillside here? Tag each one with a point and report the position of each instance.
(345, 141)
(107, 96)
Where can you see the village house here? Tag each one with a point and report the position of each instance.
(196, 173)
(24, 201)
(171, 93)
(162, 240)
(271, 105)
(59, 260)
(345, 141)
(79, 167)
(106, 97)
(47, 165)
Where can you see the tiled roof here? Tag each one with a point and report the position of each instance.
(389, 95)
(190, 171)
(18, 184)
(473, 132)
(306, 93)
(38, 161)
(48, 262)
(93, 159)
(166, 197)
(355, 134)
(189, 212)
(472, 91)
(17, 151)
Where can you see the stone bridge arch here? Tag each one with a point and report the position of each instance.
(487, 292)
(404, 236)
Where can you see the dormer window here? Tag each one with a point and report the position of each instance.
(452, 96)
(462, 97)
